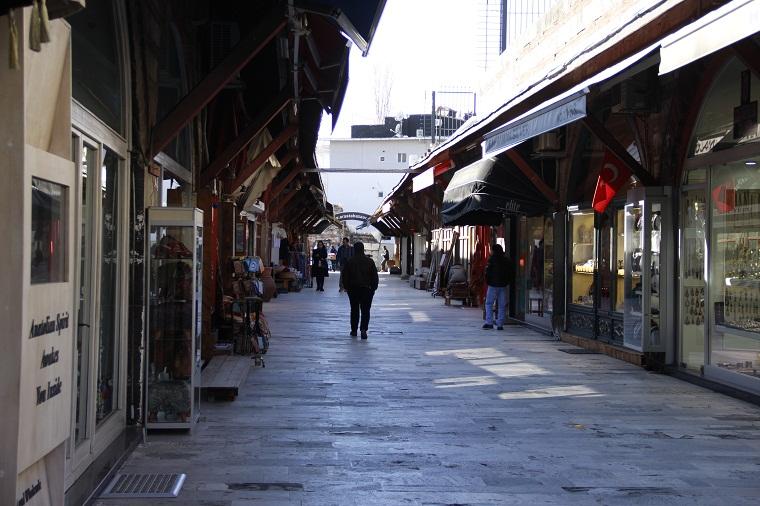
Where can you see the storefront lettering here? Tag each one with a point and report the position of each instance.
(49, 358)
(29, 493)
(45, 394)
(49, 326)
(511, 207)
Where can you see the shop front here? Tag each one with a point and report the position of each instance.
(719, 235)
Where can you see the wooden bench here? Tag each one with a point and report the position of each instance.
(224, 375)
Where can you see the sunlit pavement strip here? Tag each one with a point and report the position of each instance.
(447, 413)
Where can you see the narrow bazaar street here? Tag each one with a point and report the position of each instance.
(433, 410)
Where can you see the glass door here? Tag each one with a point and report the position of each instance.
(86, 158)
(97, 297)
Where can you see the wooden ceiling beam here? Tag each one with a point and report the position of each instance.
(279, 141)
(192, 103)
(234, 148)
(534, 178)
(295, 170)
(609, 140)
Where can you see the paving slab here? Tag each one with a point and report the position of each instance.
(432, 410)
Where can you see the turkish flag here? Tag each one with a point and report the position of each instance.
(612, 177)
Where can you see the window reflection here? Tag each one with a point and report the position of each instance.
(48, 232)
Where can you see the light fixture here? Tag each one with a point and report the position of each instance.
(750, 163)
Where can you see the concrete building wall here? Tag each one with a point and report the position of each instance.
(361, 192)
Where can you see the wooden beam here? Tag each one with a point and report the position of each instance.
(407, 211)
(749, 53)
(392, 224)
(192, 103)
(528, 171)
(604, 135)
(313, 218)
(234, 148)
(259, 159)
(282, 202)
(398, 223)
(288, 157)
(294, 172)
(299, 213)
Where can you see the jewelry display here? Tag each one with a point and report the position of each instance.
(694, 306)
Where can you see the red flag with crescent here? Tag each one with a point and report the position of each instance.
(612, 177)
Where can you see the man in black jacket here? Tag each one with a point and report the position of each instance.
(359, 278)
(500, 274)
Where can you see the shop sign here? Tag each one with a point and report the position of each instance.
(706, 145)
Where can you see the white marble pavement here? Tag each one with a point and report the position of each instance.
(433, 410)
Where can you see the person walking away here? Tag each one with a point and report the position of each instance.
(319, 265)
(359, 277)
(332, 257)
(386, 257)
(345, 251)
(500, 274)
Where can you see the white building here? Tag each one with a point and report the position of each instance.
(363, 192)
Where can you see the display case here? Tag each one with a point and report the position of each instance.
(645, 284)
(174, 273)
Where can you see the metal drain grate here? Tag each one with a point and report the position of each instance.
(579, 351)
(137, 485)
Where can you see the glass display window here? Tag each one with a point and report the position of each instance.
(49, 232)
(734, 272)
(583, 265)
(692, 261)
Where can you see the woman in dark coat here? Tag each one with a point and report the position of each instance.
(319, 265)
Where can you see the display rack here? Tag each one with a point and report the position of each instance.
(173, 313)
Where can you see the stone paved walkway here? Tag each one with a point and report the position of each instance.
(434, 410)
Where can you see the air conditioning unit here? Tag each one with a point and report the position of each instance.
(636, 96)
(546, 142)
(420, 132)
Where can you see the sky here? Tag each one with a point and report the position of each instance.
(424, 45)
